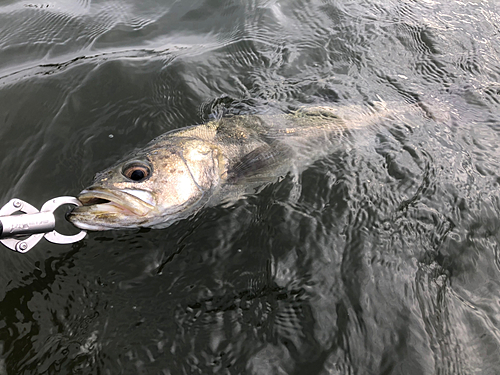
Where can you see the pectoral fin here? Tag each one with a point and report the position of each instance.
(259, 162)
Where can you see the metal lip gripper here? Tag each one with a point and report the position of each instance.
(36, 224)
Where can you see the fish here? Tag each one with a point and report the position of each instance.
(182, 171)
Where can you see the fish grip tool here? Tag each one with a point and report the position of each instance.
(19, 219)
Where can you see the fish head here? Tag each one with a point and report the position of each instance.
(153, 188)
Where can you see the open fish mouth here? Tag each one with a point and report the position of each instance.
(99, 200)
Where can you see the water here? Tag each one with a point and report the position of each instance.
(383, 258)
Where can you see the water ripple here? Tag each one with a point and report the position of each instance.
(382, 256)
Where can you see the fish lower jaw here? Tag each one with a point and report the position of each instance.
(94, 224)
(89, 227)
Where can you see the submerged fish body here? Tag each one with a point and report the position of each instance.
(184, 170)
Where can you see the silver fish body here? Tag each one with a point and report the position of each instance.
(181, 171)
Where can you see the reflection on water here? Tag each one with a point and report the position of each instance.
(382, 258)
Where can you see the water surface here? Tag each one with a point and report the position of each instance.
(382, 258)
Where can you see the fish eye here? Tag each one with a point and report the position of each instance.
(136, 171)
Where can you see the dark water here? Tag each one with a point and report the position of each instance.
(384, 259)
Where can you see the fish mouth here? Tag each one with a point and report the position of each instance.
(99, 200)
